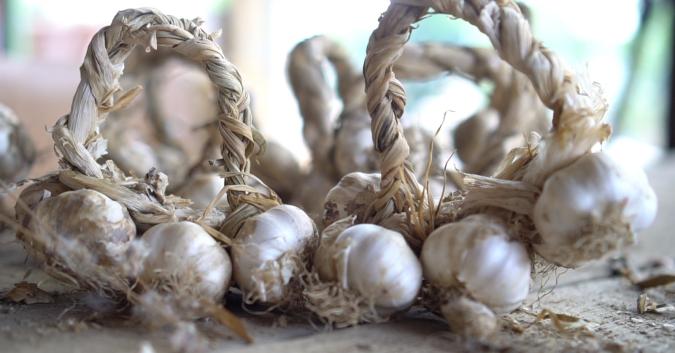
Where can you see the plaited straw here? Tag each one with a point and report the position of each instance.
(76, 135)
(513, 99)
(577, 107)
(314, 94)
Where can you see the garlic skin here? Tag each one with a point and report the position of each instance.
(81, 236)
(475, 254)
(185, 260)
(469, 318)
(591, 207)
(201, 189)
(373, 261)
(351, 196)
(267, 251)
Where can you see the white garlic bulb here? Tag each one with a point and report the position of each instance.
(471, 134)
(469, 318)
(351, 196)
(311, 192)
(268, 250)
(16, 149)
(476, 254)
(278, 168)
(131, 153)
(201, 189)
(354, 149)
(373, 261)
(78, 233)
(591, 207)
(183, 259)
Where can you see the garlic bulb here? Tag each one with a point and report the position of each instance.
(17, 153)
(373, 261)
(131, 153)
(469, 318)
(477, 255)
(183, 259)
(591, 207)
(201, 189)
(268, 250)
(470, 135)
(78, 233)
(354, 149)
(278, 168)
(351, 196)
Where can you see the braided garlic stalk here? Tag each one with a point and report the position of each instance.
(471, 259)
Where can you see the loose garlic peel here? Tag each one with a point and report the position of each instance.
(590, 208)
(268, 252)
(89, 245)
(476, 256)
(371, 261)
(181, 259)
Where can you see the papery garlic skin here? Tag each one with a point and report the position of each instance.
(77, 234)
(373, 261)
(591, 207)
(201, 189)
(351, 196)
(267, 251)
(476, 254)
(185, 260)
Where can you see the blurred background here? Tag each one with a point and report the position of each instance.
(625, 45)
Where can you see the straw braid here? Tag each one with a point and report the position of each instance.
(76, 135)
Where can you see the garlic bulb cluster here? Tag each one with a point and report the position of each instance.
(77, 233)
(201, 189)
(182, 259)
(351, 196)
(591, 207)
(268, 252)
(374, 262)
(17, 153)
(476, 255)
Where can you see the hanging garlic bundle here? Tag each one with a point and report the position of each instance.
(474, 259)
(514, 110)
(94, 246)
(509, 200)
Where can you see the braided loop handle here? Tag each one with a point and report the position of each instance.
(577, 106)
(76, 135)
(314, 94)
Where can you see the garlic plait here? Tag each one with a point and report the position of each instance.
(591, 207)
(182, 260)
(474, 258)
(373, 267)
(81, 237)
(268, 252)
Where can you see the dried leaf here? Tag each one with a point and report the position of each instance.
(656, 281)
(231, 321)
(28, 293)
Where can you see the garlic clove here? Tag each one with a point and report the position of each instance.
(591, 207)
(375, 262)
(183, 259)
(268, 252)
(89, 245)
(476, 254)
(351, 196)
(469, 318)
